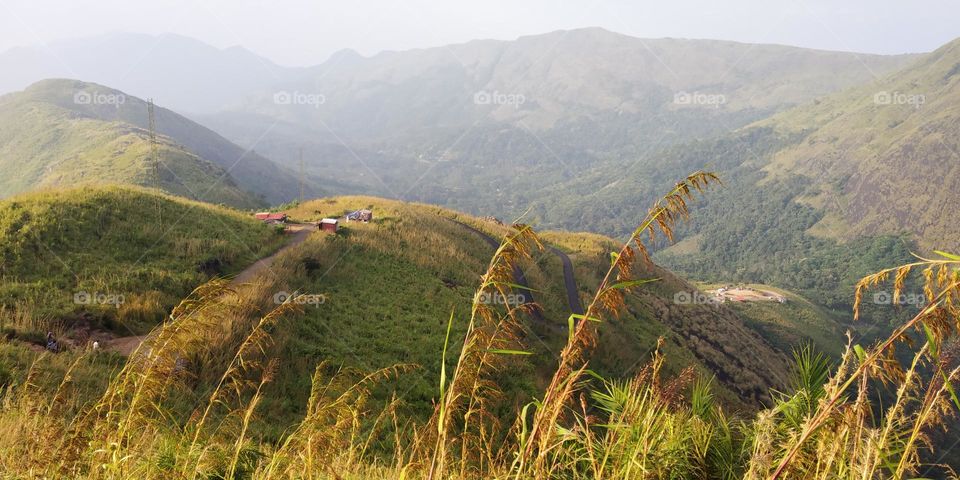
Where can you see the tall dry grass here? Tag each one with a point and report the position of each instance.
(157, 420)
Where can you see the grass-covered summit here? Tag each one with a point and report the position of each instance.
(64, 251)
(378, 363)
(389, 287)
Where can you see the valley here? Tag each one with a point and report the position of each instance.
(578, 254)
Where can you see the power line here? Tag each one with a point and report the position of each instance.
(301, 175)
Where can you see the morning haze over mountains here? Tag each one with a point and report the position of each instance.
(262, 271)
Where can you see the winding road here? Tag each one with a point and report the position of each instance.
(300, 233)
(518, 277)
(569, 280)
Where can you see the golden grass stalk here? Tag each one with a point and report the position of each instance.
(939, 316)
(608, 300)
(489, 336)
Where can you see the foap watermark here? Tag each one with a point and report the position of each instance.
(915, 100)
(284, 97)
(97, 98)
(484, 97)
(315, 299)
(98, 298)
(701, 99)
(496, 298)
(695, 298)
(903, 299)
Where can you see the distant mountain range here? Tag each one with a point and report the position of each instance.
(823, 152)
(460, 121)
(476, 121)
(178, 72)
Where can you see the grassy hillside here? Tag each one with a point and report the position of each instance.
(821, 195)
(815, 197)
(114, 258)
(63, 132)
(790, 325)
(882, 158)
(389, 288)
(295, 389)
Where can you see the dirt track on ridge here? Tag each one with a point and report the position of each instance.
(298, 234)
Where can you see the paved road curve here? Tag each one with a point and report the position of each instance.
(518, 277)
(573, 296)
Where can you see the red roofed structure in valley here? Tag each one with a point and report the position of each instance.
(271, 217)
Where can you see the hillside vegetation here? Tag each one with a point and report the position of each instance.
(114, 258)
(808, 200)
(65, 132)
(491, 126)
(222, 360)
(808, 205)
(896, 136)
(389, 286)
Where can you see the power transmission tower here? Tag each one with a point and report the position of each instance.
(154, 154)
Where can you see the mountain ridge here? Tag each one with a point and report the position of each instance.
(74, 107)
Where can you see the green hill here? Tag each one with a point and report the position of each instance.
(389, 288)
(821, 195)
(64, 132)
(883, 158)
(114, 258)
(385, 289)
(815, 197)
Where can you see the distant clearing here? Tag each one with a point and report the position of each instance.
(746, 294)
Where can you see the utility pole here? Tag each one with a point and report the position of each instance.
(154, 150)
(154, 154)
(301, 175)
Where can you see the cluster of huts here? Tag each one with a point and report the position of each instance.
(326, 224)
(359, 216)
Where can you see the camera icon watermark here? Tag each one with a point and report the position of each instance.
(284, 97)
(915, 100)
(713, 100)
(695, 298)
(98, 298)
(509, 300)
(95, 98)
(484, 97)
(315, 299)
(904, 299)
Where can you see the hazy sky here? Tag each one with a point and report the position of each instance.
(303, 32)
